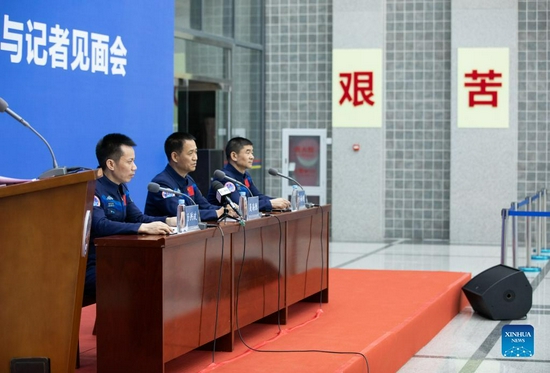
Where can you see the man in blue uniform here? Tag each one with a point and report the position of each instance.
(114, 211)
(181, 152)
(240, 156)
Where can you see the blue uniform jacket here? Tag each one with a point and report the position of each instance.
(163, 203)
(114, 213)
(246, 179)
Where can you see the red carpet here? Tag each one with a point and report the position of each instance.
(386, 315)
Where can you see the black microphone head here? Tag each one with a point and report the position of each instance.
(273, 172)
(216, 184)
(3, 105)
(153, 187)
(219, 174)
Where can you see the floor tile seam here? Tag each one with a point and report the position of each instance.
(543, 306)
(467, 255)
(391, 244)
(539, 312)
(350, 252)
(535, 361)
(483, 350)
(448, 255)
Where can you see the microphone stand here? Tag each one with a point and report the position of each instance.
(226, 215)
(56, 170)
(276, 173)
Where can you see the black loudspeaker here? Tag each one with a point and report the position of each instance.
(500, 293)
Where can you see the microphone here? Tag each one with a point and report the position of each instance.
(56, 170)
(274, 172)
(222, 193)
(155, 188)
(205, 225)
(218, 174)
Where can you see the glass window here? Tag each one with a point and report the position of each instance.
(247, 104)
(200, 59)
(248, 21)
(216, 17)
(220, 42)
(188, 14)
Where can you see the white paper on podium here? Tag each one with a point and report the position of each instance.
(10, 180)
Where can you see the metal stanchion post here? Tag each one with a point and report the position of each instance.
(538, 240)
(538, 226)
(504, 214)
(544, 248)
(528, 267)
(514, 237)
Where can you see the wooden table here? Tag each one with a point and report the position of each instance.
(157, 296)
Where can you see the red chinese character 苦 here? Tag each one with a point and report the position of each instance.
(480, 80)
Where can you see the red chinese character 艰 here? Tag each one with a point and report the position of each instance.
(355, 86)
(483, 81)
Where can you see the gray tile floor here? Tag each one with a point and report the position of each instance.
(469, 343)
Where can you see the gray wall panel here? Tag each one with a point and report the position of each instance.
(483, 161)
(358, 177)
(358, 184)
(298, 76)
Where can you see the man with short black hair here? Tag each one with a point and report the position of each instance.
(181, 151)
(240, 157)
(114, 211)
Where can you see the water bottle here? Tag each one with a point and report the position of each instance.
(243, 205)
(294, 198)
(180, 227)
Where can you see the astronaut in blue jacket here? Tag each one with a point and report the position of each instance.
(181, 151)
(114, 211)
(240, 157)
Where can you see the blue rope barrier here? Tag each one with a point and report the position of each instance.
(527, 200)
(529, 213)
(513, 211)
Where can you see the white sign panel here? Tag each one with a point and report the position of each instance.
(483, 85)
(357, 88)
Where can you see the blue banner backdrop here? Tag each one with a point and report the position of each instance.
(77, 70)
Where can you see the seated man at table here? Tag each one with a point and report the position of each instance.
(181, 151)
(240, 156)
(114, 211)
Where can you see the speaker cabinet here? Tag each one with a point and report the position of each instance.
(30, 365)
(500, 293)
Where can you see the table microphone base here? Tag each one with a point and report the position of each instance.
(58, 171)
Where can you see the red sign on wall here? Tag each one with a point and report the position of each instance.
(483, 88)
(483, 91)
(357, 87)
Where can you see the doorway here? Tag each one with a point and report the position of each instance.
(202, 110)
